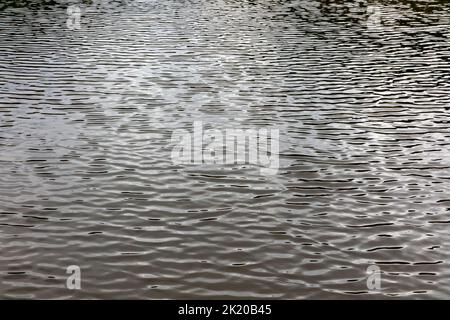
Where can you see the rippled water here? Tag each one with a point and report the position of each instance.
(86, 177)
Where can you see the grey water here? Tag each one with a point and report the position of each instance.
(359, 91)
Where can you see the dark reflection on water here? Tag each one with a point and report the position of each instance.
(86, 178)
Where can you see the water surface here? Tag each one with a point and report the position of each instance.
(86, 177)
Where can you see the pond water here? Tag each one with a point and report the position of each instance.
(88, 104)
